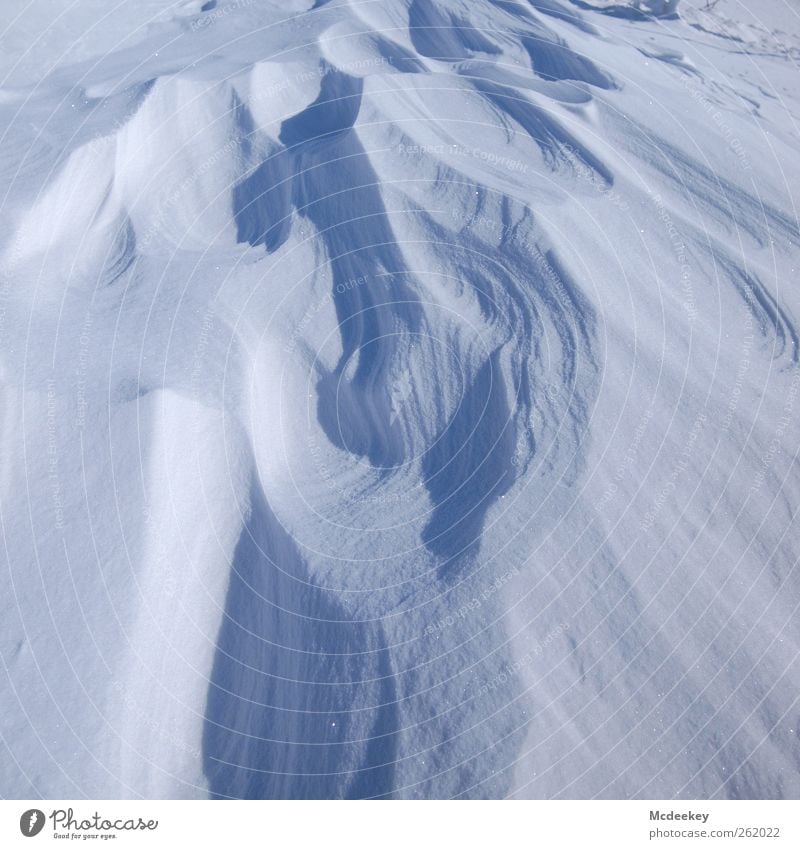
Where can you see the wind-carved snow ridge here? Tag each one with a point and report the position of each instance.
(408, 391)
(281, 705)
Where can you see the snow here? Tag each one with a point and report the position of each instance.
(399, 400)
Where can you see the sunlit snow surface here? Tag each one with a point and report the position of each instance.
(399, 399)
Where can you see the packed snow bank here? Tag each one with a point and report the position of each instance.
(399, 401)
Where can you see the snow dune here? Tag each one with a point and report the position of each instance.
(399, 400)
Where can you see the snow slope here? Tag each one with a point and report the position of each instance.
(400, 400)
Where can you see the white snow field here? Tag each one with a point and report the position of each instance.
(399, 399)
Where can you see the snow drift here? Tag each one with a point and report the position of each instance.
(399, 400)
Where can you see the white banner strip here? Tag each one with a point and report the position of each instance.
(404, 824)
